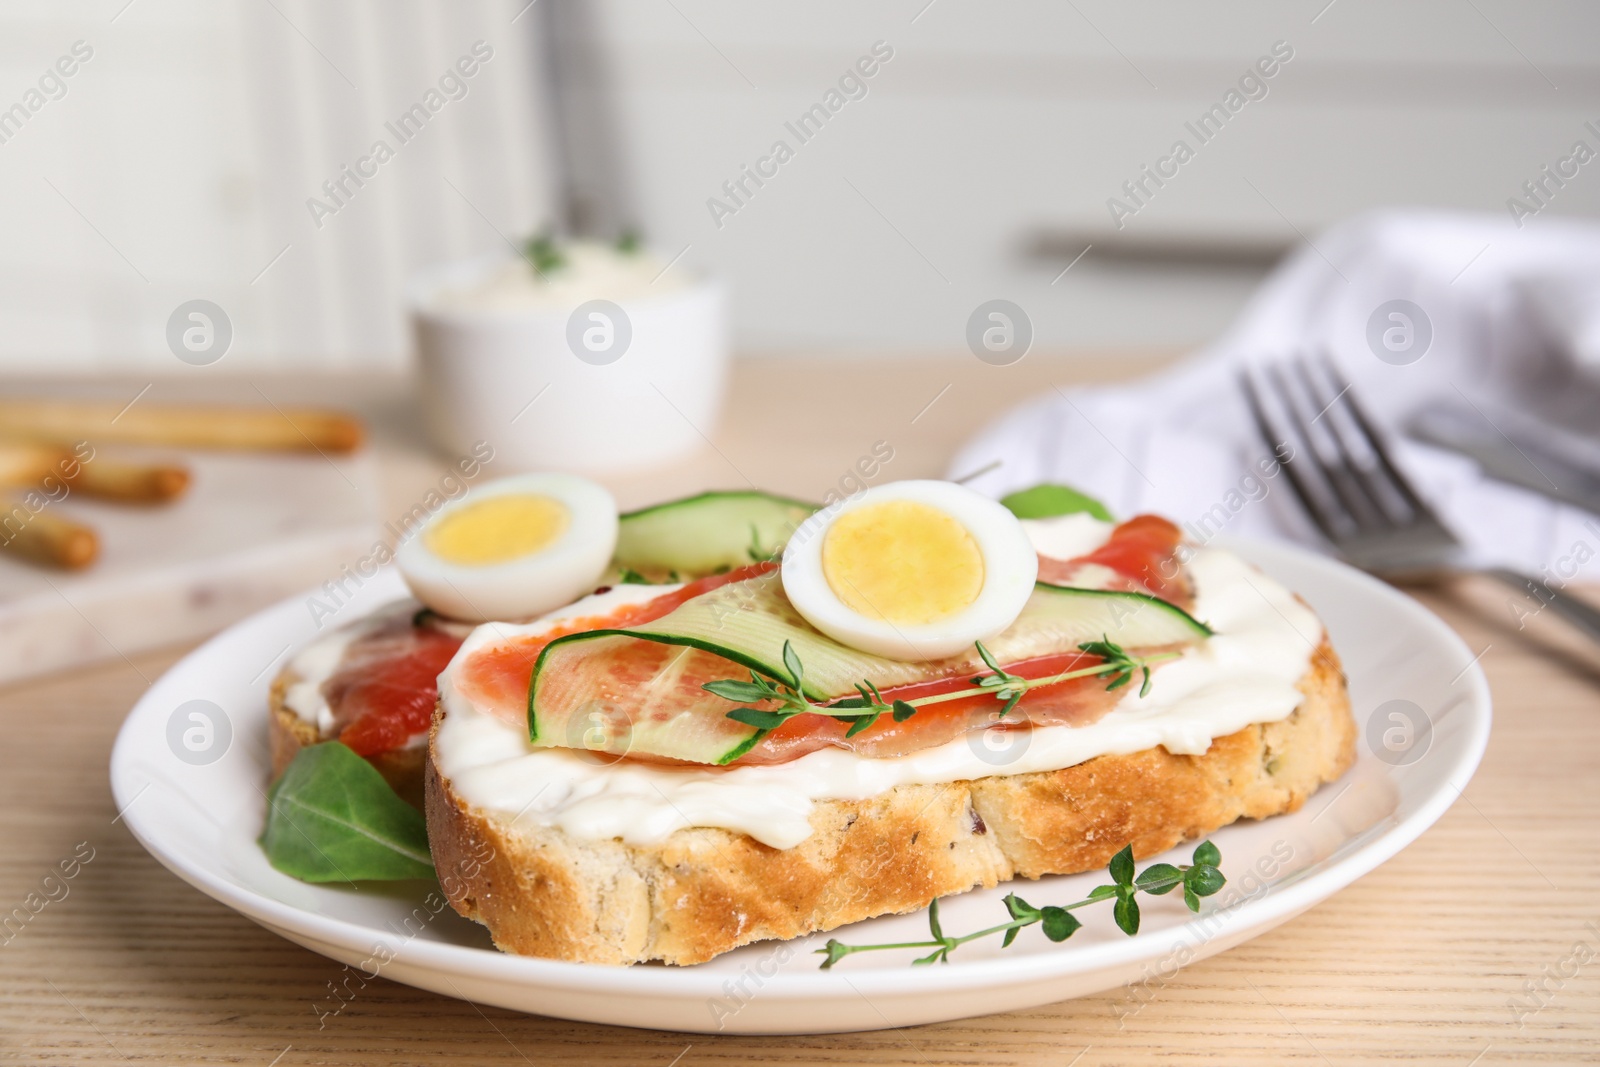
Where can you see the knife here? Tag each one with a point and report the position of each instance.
(1514, 448)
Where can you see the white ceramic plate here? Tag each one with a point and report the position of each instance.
(201, 820)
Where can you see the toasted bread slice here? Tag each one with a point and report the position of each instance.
(703, 891)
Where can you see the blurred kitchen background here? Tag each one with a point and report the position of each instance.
(976, 162)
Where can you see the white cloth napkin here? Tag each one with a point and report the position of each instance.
(1515, 323)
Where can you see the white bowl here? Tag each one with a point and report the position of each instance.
(523, 381)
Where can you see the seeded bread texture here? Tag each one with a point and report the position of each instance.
(702, 891)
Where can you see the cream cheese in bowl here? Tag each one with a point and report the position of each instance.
(596, 360)
(589, 271)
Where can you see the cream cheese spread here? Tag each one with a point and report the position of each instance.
(590, 271)
(1247, 673)
(1067, 537)
(315, 664)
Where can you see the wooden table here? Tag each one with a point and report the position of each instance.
(1419, 962)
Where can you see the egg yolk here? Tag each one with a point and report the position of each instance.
(498, 529)
(903, 562)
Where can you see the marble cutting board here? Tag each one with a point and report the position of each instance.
(252, 529)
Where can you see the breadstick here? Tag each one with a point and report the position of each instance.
(268, 429)
(130, 483)
(48, 539)
(25, 465)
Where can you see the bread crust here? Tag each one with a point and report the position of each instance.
(288, 733)
(704, 891)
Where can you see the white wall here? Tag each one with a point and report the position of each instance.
(179, 162)
(996, 123)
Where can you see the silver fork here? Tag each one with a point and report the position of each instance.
(1341, 472)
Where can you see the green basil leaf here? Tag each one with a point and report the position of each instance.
(1190, 899)
(903, 711)
(1059, 923)
(333, 818)
(1047, 501)
(1207, 853)
(1100, 892)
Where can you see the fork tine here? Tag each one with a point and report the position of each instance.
(1380, 451)
(1359, 510)
(1360, 444)
(1341, 498)
(1352, 478)
(1269, 433)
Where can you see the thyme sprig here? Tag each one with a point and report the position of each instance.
(1120, 665)
(789, 694)
(756, 550)
(629, 576)
(1201, 878)
(786, 691)
(1006, 687)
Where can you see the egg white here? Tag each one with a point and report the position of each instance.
(528, 585)
(1009, 561)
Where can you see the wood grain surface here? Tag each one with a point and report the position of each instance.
(1478, 945)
